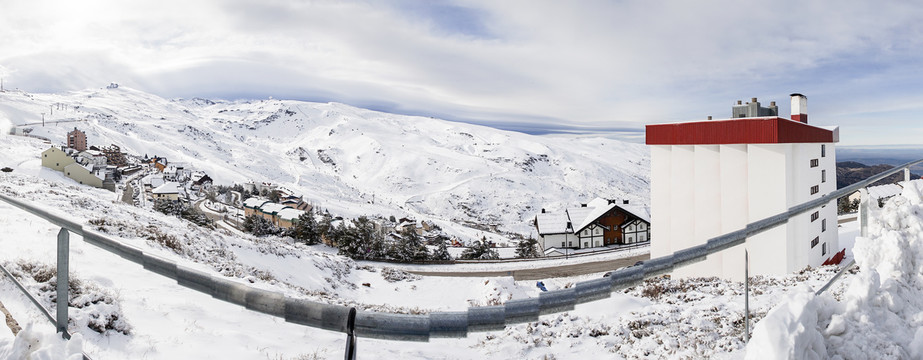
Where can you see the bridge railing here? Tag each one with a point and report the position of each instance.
(422, 327)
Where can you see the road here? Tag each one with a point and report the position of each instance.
(547, 272)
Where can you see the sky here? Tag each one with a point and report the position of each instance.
(606, 67)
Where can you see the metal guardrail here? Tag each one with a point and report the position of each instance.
(437, 324)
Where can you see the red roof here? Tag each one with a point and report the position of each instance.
(766, 130)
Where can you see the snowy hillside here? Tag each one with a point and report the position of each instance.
(349, 160)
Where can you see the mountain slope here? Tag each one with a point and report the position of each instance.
(353, 161)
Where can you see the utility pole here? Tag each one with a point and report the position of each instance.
(43, 119)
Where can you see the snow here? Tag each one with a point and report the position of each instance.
(36, 344)
(353, 161)
(358, 162)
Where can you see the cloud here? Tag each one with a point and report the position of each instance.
(513, 64)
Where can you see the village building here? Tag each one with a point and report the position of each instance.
(85, 175)
(77, 140)
(598, 223)
(270, 211)
(288, 217)
(295, 202)
(200, 181)
(714, 177)
(92, 157)
(114, 155)
(252, 205)
(167, 191)
(56, 159)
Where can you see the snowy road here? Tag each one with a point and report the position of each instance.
(545, 272)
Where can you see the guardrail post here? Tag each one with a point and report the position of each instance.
(746, 296)
(351, 335)
(62, 284)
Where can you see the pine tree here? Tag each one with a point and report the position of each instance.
(410, 247)
(325, 228)
(371, 240)
(306, 229)
(347, 240)
(442, 251)
(527, 248)
(480, 250)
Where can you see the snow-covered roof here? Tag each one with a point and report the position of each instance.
(272, 208)
(167, 188)
(552, 223)
(884, 191)
(255, 202)
(581, 217)
(290, 214)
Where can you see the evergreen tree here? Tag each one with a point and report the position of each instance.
(345, 239)
(325, 227)
(306, 229)
(442, 251)
(371, 241)
(410, 247)
(527, 248)
(480, 250)
(259, 226)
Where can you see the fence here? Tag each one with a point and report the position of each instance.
(437, 324)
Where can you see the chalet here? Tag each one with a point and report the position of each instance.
(201, 180)
(599, 223)
(167, 191)
(252, 205)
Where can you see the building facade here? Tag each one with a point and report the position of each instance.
(599, 223)
(710, 178)
(77, 140)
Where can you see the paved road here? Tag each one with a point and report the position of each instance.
(547, 272)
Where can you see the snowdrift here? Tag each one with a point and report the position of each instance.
(880, 313)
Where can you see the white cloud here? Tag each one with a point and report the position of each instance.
(589, 63)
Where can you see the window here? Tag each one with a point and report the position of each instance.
(823, 225)
(570, 243)
(814, 162)
(823, 150)
(823, 176)
(815, 215)
(823, 249)
(815, 189)
(562, 244)
(815, 241)
(586, 244)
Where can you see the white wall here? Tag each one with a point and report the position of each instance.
(734, 209)
(702, 191)
(768, 177)
(661, 157)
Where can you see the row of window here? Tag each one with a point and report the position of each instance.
(823, 248)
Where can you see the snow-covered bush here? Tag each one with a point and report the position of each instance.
(92, 306)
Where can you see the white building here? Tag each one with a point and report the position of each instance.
(713, 177)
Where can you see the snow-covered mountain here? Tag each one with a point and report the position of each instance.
(349, 160)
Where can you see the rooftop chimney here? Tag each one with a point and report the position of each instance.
(709, 117)
(800, 108)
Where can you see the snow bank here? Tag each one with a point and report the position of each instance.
(790, 330)
(880, 314)
(36, 344)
